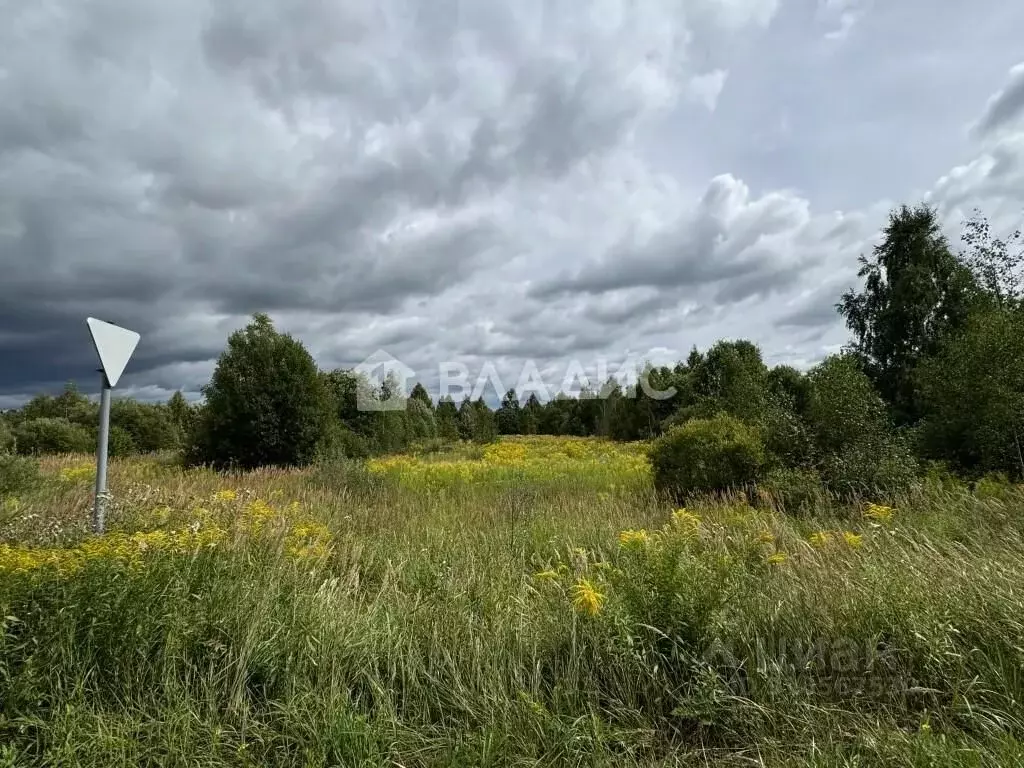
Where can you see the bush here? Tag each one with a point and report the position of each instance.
(795, 491)
(340, 442)
(861, 455)
(120, 442)
(707, 455)
(17, 474)
(149, 427)
(866, 471)
(265, 404)
(52, 435)
(786, 437)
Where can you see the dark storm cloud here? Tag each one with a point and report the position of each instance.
(1007, 105)
(727, 239)
(454, 178)
(161, 163)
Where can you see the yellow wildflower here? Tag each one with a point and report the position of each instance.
(227, 494)
(631, 538)
(820, 539)
(879, 513)
(586, 598)
(81, 472)
(777, 558)
(685, 520)
(852, 539)
(766, 537)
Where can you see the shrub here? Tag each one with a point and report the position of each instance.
(861, 455)
(149, 426)
(786, 437)
(17, 474)
(878, 471)
(265, 404)
(795, 491)
(120, 442)
(707, 455)
(52, 435)
(340, 442)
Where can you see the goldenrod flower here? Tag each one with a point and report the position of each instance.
(685, 520)
(586, 598)
(228, 494)
(81, 472)
(820, 539)
(777, 559)
(852, 539)
(766, 537)
(879, 513)
(631, 538)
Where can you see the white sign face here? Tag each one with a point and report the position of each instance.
(114, 345)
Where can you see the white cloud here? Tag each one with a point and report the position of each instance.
(708, 87)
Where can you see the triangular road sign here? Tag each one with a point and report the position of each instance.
(114, 345)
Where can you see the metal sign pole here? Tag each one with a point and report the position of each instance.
(114, 346)
(99, 511)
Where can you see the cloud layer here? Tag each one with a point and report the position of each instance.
(461, 180)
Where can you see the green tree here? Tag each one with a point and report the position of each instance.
(447, 417)
(419, 392)
(476, 421)
(350, 394)
(973, 395)
(265, 404)
(419, 416)
(532, 413)
(53, 435)
(915, 293)
(996, 263)
(485, 428)
(71, 405)
(149, 426)
(731, 378)
(856, 450)
(509, 414)
(182, 415)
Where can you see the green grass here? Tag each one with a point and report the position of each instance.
(427, 639)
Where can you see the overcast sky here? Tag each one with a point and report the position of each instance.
(477, 181)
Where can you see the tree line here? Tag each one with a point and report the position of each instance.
(933, 375)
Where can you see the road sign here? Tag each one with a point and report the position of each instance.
(114, 345)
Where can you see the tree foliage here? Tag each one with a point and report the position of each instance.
(706, 456)
(265, 404)
(915, 293)
(973, 395)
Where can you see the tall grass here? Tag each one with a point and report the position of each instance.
(445, 627)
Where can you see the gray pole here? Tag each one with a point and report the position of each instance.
(101, 458)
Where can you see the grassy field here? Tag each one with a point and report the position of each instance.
(525, 603)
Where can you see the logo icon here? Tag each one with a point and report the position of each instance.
(389, 383)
